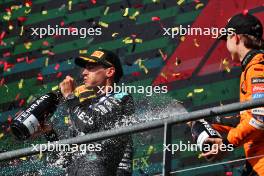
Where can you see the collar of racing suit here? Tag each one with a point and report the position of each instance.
(249, 56)
(96, 99)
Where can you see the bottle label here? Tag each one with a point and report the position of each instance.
(22, 116)
(32, 124)
(210, 129)
(201, 138)
(36, 103)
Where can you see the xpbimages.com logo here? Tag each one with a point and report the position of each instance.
(63, 31)
(147, 90)
(70, 148)
(182, 147)
(181, 31)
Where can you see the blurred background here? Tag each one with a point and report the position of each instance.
(197, 69)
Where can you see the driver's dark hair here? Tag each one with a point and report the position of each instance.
(252, 42)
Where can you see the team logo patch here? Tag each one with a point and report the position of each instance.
(258, 114)
(253, 122)
(259, 118)
(258, 95)
(258, 69)
(257, 80)
(98, 54)
(258, 88)
(258, 111)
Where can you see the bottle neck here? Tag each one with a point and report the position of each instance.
(58, 95)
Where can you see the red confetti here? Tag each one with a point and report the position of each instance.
(7, 66)
(136, 74)
(57, 66)
(59, 75)
(29, 61)
(197, 1)
(20, 59)
(45, 43)
(51, 53)
(9, 119)
(8, 10)
(28, 3)
(93, 1)
(40, 77)
(229, 173)
(164, 57)
(21, 19)
(6, 54)
(62, 23)
(72, 29)
(22, 101)
(2, 35)
(155, 18)
(17, 96)
(134, 35)
(245, 12)
(2, 81)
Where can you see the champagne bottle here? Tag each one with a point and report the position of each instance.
(201, 130)
(28, 121)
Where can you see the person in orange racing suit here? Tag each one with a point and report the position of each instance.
(245, 44)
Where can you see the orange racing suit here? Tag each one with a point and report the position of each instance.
(250, 131)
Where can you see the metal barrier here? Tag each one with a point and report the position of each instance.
(166, 123)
